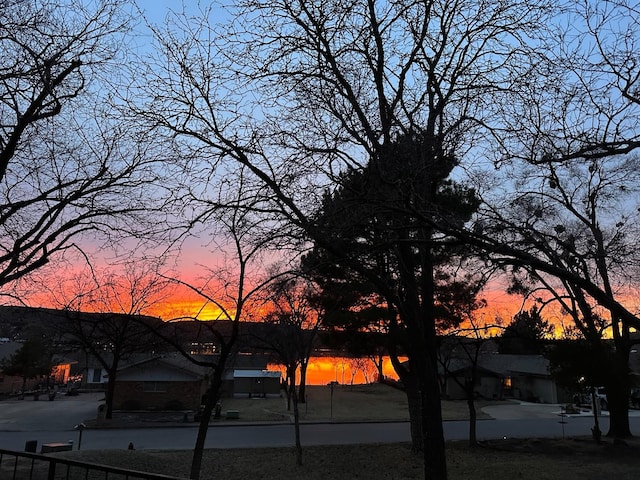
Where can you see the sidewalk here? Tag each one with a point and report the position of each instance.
(519, 410)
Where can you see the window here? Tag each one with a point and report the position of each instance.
(506, 382)
(157, 387)
(97, 375)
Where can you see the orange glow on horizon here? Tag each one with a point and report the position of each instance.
(188, 309)
(178, 301)
(344, 370)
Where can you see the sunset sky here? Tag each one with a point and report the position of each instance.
(195, 258)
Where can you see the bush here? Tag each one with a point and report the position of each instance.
(174, 405)
(131, 404)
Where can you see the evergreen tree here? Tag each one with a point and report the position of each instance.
(32, 360)
(526, 334)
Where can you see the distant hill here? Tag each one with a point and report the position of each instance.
(19, 323)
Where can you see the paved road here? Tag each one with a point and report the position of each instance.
(53, 422)
(312, 434)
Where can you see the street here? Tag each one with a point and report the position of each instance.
(45, 422)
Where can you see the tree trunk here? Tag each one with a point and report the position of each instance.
(111, 390)
(198, 450)
(618, 391)
(289, 393)
(379, 364)
(210, 399)
(435, 463)
(414, 401)
(302, 389)
(471, 403)
(618, 404)
(296, 422)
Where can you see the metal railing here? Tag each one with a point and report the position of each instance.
(32, 466)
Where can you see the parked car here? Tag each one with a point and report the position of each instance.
(585, 399)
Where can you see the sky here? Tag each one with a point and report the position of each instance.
(195, 257)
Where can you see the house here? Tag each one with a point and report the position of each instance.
(87, 371)
(248, 376)
(163, 382)
(499, 376)
(172, 382)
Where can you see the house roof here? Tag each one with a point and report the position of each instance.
(9, 348)
(510, 364)
(256, 374)
(171, 361)
(505, 365)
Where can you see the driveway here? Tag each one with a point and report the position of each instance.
(63, 413)
(516, 410)
(521, 410)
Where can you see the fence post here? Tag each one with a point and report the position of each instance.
(52, 470)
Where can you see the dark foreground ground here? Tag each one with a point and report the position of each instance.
(550, 459)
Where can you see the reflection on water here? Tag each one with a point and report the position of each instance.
(344, 370)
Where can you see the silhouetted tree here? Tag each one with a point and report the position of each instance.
(103, 312)
(377, 224)
(31, 360)
(526, 334)
(323, 90)
(65, 168)
(289, 334)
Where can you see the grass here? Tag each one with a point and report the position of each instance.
(534, 459)
(374, 402)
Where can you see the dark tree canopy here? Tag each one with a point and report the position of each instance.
(31, 360)
(526, 334)
(375, 232)
(378, 224)
(576, 364)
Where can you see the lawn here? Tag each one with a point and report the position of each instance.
(376, 402)
(532, 460)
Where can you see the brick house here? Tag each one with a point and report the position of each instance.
(167, 382)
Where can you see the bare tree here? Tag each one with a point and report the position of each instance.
(67, 167)
(561, 210)
(336, 84)
(244, 245)
(289, 334)
(461, 348)
(569, 230)
(105, 314)
(576, 96)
